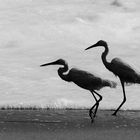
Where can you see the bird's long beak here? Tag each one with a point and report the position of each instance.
(47, 64)
(95, 45)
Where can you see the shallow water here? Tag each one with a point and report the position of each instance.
(36, 32)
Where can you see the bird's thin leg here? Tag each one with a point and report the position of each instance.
(96, 104)
(90, 111)
(124, 98)
(100, 98)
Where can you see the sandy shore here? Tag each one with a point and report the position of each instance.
(68, 125)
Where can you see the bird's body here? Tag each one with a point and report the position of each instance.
(125, 71)
(87, 80)
(121, 69)
(84, 80)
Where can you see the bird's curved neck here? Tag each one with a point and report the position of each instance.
(61, 72)
(104, 54)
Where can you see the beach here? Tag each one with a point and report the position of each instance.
(61, 124)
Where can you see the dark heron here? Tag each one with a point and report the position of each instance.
(121, 69)
(84, 80)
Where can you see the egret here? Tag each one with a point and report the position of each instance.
(84, 80)
(121, 69)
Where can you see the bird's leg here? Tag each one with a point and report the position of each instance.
(100, 98)
(90, 111)
(124, 98)
(96, 104)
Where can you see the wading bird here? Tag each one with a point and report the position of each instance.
(121, 69)
(84, 80)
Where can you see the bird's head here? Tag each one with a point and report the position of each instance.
(99, 43)
(57, 62)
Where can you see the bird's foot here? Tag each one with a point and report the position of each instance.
(90, 113)
(92, 120)
(92, 116)
(114, 114)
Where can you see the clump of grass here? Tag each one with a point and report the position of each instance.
(35, 107)
(9, 107)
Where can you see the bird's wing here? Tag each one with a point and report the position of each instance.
(84, 78)
(122, 69)
(81, 74)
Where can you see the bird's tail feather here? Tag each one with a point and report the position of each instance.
(138, 78)
(111, 84)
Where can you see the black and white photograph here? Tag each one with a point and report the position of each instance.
(69, 69)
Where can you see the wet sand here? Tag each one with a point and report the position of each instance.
(68, 125)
